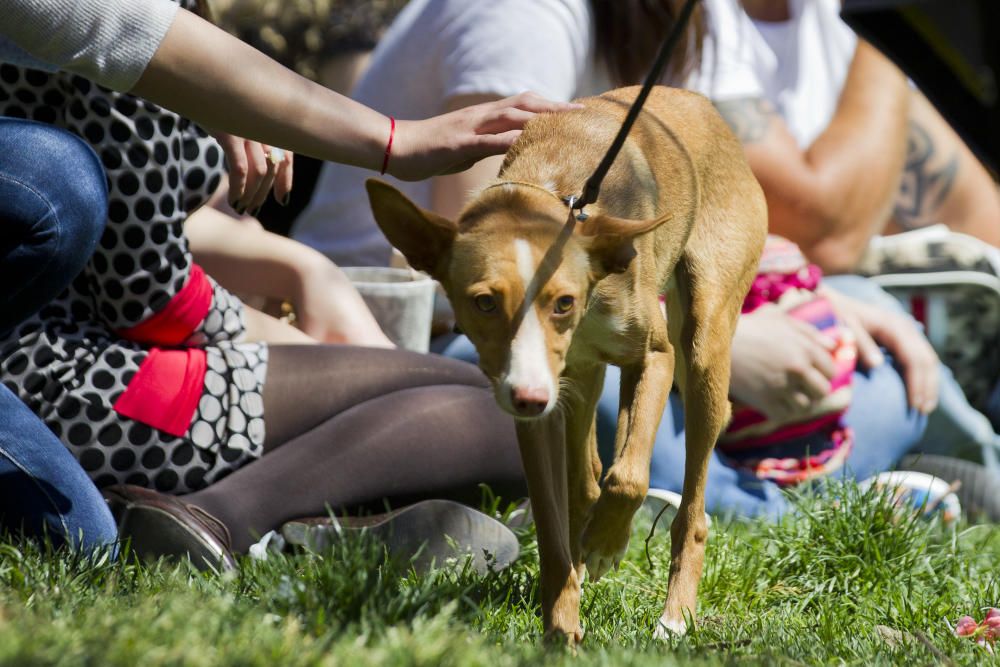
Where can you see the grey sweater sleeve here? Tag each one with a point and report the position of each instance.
(108, 41)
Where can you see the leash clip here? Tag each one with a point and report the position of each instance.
(570, 201)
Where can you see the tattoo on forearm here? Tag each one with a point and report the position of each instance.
(927, 179)
(748, 117)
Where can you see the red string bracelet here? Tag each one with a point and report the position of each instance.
(388, 147)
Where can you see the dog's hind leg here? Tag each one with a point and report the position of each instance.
(705, 313)
(543, 452)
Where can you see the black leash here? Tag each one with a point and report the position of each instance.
(593, 186)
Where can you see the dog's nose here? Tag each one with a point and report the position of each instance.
(529, 401)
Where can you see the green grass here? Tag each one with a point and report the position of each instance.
(812, 590)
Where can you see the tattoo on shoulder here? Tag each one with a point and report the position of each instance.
(748, 117)
(927, 178)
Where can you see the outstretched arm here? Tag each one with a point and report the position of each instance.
(188, 65)
(213, 78)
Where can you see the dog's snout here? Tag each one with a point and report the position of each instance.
(529, 401)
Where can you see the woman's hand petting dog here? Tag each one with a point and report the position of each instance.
(899, 335)
(781, 365)
(454, 141)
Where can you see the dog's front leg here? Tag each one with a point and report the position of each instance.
(644, 390)
(583, 464)
(543, 453)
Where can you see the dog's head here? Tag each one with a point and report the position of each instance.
(518, 273)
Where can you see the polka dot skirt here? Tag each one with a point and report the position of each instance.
(67, 364)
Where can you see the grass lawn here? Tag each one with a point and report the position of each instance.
(814, 589)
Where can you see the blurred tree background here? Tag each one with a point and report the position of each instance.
(324, 40)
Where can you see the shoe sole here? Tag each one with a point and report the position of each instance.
(424, 534)
(154, 533)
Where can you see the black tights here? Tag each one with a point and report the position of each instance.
(354, 428)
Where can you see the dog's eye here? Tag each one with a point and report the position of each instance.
(564, 304)
(486, 303)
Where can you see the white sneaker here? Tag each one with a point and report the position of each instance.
(926, 493)
(663, 503)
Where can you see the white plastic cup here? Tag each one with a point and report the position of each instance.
(401, 300)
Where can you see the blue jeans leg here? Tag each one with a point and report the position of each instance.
(53, 204)
(43, 490)
(885, 427)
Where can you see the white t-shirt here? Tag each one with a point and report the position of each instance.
(435, 50)
(798, 65)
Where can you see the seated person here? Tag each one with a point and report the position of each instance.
(843, 146)
(846, 149)
(155, 379)
(814, 394)
(475, 62)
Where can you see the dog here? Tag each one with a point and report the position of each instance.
(549, 297)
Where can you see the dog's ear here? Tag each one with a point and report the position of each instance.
(609, 239)
(423, 237)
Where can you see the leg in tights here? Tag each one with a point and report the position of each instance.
(360, 427)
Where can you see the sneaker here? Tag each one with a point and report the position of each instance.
(978, 488)
(662, 505)
(950, 283)
(160, 525)
(919, 491)
(423, 534)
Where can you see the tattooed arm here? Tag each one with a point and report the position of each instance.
(831, 197)
(943, 181)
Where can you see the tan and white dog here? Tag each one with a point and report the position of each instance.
(549, 300)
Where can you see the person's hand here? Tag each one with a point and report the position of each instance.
(254, 169)
(455, 141)
(897, 333)
(781, 366)
(329, 308)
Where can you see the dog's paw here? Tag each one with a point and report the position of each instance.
(604, 549)
(571, 639)
(598, 565)
(667, 629)
(606, 536)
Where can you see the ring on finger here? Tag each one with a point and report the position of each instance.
(276, 155)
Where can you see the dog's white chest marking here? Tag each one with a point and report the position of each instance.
(529, 363)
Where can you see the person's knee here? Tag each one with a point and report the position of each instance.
(65, 176)
(81, 203)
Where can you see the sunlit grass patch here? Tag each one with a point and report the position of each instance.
(814, 588)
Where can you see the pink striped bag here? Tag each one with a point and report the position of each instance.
(815, 443)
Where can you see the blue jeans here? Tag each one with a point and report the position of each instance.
(53, 204)
(884, 430)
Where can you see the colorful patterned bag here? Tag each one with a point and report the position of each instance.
(815, 443)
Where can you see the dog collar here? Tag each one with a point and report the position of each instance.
(569, 201)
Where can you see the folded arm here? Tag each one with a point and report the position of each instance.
(943, 182)
(831, 197)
